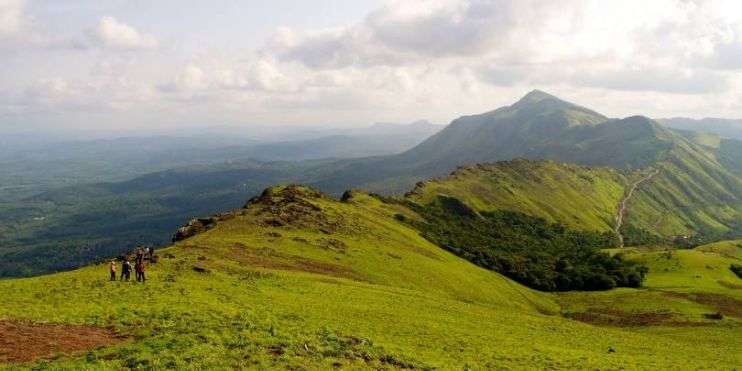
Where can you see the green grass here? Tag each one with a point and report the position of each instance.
(368, 292)
(578, 197)
(705, 268)
(682, 287)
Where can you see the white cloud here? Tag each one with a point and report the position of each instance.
(405, 60)
(669, 46)
(111, 33)
(12, 19)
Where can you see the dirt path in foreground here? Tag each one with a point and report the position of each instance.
(22, 341)
(624, 202)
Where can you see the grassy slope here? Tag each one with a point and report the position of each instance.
(579, 197)
(381, 293)
(703, 270)
(691, 194)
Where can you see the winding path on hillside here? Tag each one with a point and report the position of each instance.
(622, 205)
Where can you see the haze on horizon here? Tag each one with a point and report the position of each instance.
(128, 65)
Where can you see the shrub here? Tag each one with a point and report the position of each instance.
(737, 269)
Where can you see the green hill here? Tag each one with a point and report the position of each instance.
(692, 195)
(728, 152)
(579, 197)
(298, 280)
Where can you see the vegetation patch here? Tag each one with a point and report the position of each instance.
(22, 341)
(737, 269)
(544, 256)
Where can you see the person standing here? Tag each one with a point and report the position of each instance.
(140, 253)
(125, 270)
(112, 268)
(152, 254)
(140, 271)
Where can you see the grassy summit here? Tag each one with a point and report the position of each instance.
(301, 281)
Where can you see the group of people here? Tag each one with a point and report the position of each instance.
(138, 266)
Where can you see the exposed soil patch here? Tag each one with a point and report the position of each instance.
(721, 303)
(268, 258)
(22, 341)
(612, 317)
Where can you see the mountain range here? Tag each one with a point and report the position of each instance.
(694, 192)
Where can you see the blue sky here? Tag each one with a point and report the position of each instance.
(161, 65)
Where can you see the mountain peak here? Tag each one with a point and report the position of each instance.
(535, 96)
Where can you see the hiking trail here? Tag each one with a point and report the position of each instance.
(624, 202)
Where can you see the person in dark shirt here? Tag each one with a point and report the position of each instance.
(125, 270)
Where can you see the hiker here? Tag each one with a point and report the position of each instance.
(140, 271)
(140, 253)
(146, 252)
(113, 270)
(125, 270)
(152, 254)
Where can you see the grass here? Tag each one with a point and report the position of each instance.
(342, 284)
(579, 197)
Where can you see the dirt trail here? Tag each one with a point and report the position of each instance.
(624, 202)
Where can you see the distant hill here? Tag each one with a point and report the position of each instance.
(32, 165)
(728, 152)
(539, 126)
(379, 139)
(727, 128)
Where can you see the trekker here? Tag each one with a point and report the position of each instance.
(125, 270)
(140, 271)
(113, 270)
(140, 254)
(152, 254)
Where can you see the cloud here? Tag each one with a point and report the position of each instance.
(670, 46)
(256, 74)
(12, 19)
(405, 59)
(111, 33)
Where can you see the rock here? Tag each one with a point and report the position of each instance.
(200, 269)
(194, 227)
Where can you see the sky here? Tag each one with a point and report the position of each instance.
(174, 64)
